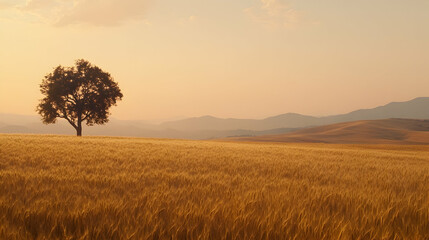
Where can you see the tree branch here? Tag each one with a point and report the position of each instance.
(68, 119)
(88, 113)
(71, 100)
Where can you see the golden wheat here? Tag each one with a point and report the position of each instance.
(57, 187)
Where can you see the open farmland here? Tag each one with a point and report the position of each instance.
(58, 187)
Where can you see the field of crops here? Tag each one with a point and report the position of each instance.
(58, 187)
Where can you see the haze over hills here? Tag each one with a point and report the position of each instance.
(208, 127)
(386, 131)
(415, 109)
(288, 120)
(32, 124)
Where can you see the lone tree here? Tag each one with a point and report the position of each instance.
(80, 93)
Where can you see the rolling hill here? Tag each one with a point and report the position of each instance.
(387, 131)
(288, 120)
(209, 127)
(415, 109)
(32, 124)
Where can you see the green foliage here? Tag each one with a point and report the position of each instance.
(78, 94)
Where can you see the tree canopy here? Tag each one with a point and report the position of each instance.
(82, 93)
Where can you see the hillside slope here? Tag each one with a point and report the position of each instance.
(293, 120)
(208, 127)
(413, 109)
(387, 131)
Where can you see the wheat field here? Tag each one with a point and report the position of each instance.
(63, 187)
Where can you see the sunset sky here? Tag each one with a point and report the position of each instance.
(240, 58)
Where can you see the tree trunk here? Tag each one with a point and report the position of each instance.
(79, 129)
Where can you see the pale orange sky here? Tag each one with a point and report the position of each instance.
(241, 58)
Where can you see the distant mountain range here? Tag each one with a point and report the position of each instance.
(385, 131)
(208, 127)
(415, 109)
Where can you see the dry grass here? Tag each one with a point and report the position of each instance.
(54, 187)
(383, 131)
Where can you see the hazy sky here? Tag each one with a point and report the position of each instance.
(240, 58)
